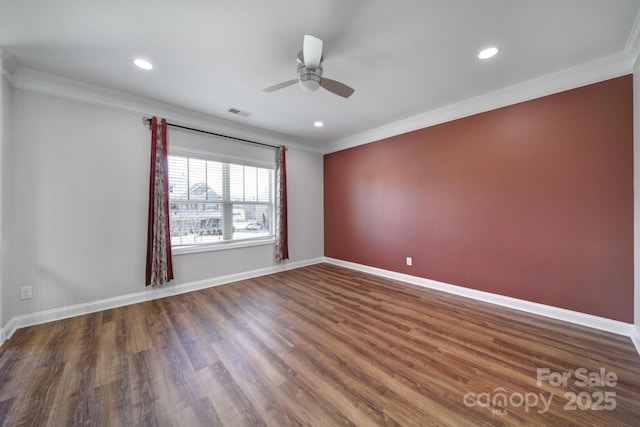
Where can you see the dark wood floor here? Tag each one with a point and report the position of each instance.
(321, 346)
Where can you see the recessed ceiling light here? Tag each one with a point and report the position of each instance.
(488, 53)
(145, 65)
(318, 124)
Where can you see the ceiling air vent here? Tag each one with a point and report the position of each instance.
(238, 112)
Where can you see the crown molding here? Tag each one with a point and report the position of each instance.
(48, 84)
(8, 63)
(632, 48)
(604, 69)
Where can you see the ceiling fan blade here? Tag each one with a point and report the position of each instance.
(336, 87)
(312, 51)
(280, 86)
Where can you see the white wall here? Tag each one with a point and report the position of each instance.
(305, 184)
(5, 93)
(77, 207)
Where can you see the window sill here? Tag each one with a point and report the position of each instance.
(221, 246)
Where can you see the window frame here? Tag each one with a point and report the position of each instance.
(230, 243)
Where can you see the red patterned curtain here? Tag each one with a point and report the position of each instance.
(282, 238)
(159, 264)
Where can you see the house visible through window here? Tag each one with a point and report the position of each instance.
(214, 202)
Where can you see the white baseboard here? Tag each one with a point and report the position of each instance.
(635, 337)
(596, 322)
(583, 319)
(148, 294)
(10, 326)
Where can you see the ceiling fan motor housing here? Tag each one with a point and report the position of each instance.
(309, 79)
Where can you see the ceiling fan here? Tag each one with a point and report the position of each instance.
(310, 71)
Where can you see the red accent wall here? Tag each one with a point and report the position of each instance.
(532, 201)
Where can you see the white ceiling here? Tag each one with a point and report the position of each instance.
(403, 57)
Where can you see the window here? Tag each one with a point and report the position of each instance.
(213, 202)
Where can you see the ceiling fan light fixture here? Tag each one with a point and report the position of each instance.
(309, 85)
(309, 79)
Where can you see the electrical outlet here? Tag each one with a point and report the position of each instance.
(26, 292)
(409, 261)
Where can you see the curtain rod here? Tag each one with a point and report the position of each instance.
(147, 121)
